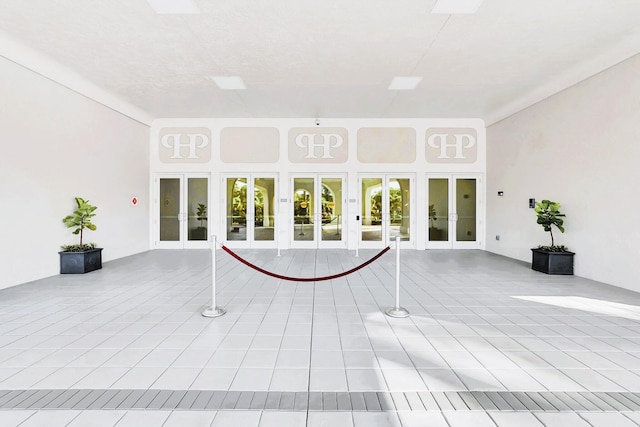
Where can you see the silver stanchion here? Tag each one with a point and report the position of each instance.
(397, 311)
(213, 310)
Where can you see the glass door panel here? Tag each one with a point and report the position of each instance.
(250, 209)
(303, 208)
(197, 205)
(453, 212)
(264, 209)
(438, 209)
(317, 219)
(386, 210)
(466, 210)
(331, 215)
(399, 208)
(372, 209)
(169, 212)
(181, 206)
(236, 212)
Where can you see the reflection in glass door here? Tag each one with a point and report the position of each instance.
(453, 211)
(317, 219)
(250, 211)
(181, 205)
(170, 207)
(385, 210)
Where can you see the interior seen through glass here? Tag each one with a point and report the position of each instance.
(250, 218)
(385, 208)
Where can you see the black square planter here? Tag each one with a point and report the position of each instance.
(80, 262)
(552, 262)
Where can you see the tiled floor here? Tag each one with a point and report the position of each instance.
(489, 342)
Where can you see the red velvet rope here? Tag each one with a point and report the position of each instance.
(304, 279)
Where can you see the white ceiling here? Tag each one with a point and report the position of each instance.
(327, 58)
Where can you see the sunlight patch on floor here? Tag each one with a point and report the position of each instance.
(588, 304)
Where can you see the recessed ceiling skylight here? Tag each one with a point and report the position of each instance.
(174, 6)
(404, 83)
(229, 82)
(451, 7)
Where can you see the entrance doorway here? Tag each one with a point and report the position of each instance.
(181, 211)
(454, 207)
(250, 211)
(386, 210)
(317, 219)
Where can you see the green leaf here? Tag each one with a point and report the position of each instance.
(549, 215)
(81, 217)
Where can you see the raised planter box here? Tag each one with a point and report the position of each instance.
(80, 262)
(552, 262)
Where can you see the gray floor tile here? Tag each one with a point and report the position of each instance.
(511, 357)
(160, 399)
(200, 403)
(259, 400)
(244, 400)
(218, 397)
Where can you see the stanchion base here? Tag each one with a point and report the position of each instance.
(213, 312)
(396, 312)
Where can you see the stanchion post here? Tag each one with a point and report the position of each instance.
(213, 310)
(397, 311)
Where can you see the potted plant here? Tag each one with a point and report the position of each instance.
(82, 257)
(435, 234)
(200, 232)
(554, 259)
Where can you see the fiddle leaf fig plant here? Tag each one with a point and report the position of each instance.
(432, 215)
(549, 215)
(201, 213)
(79, 221)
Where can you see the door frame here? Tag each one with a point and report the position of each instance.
(318, 242)
(250, 241)
(386, 215)
(183, 216)
(452, 219)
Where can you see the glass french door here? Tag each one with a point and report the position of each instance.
(385, 210)
(250, 210)
(181, 211)
(317, 218)
(453, 211)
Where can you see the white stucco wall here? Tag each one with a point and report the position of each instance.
(56, 144)
(581, 148)
(286, 162)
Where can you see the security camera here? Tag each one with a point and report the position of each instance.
(317, 122)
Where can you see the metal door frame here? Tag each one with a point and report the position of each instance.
(250, 241)
(318, 242)
(451, 242)
(386, 215)
(183, 215)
